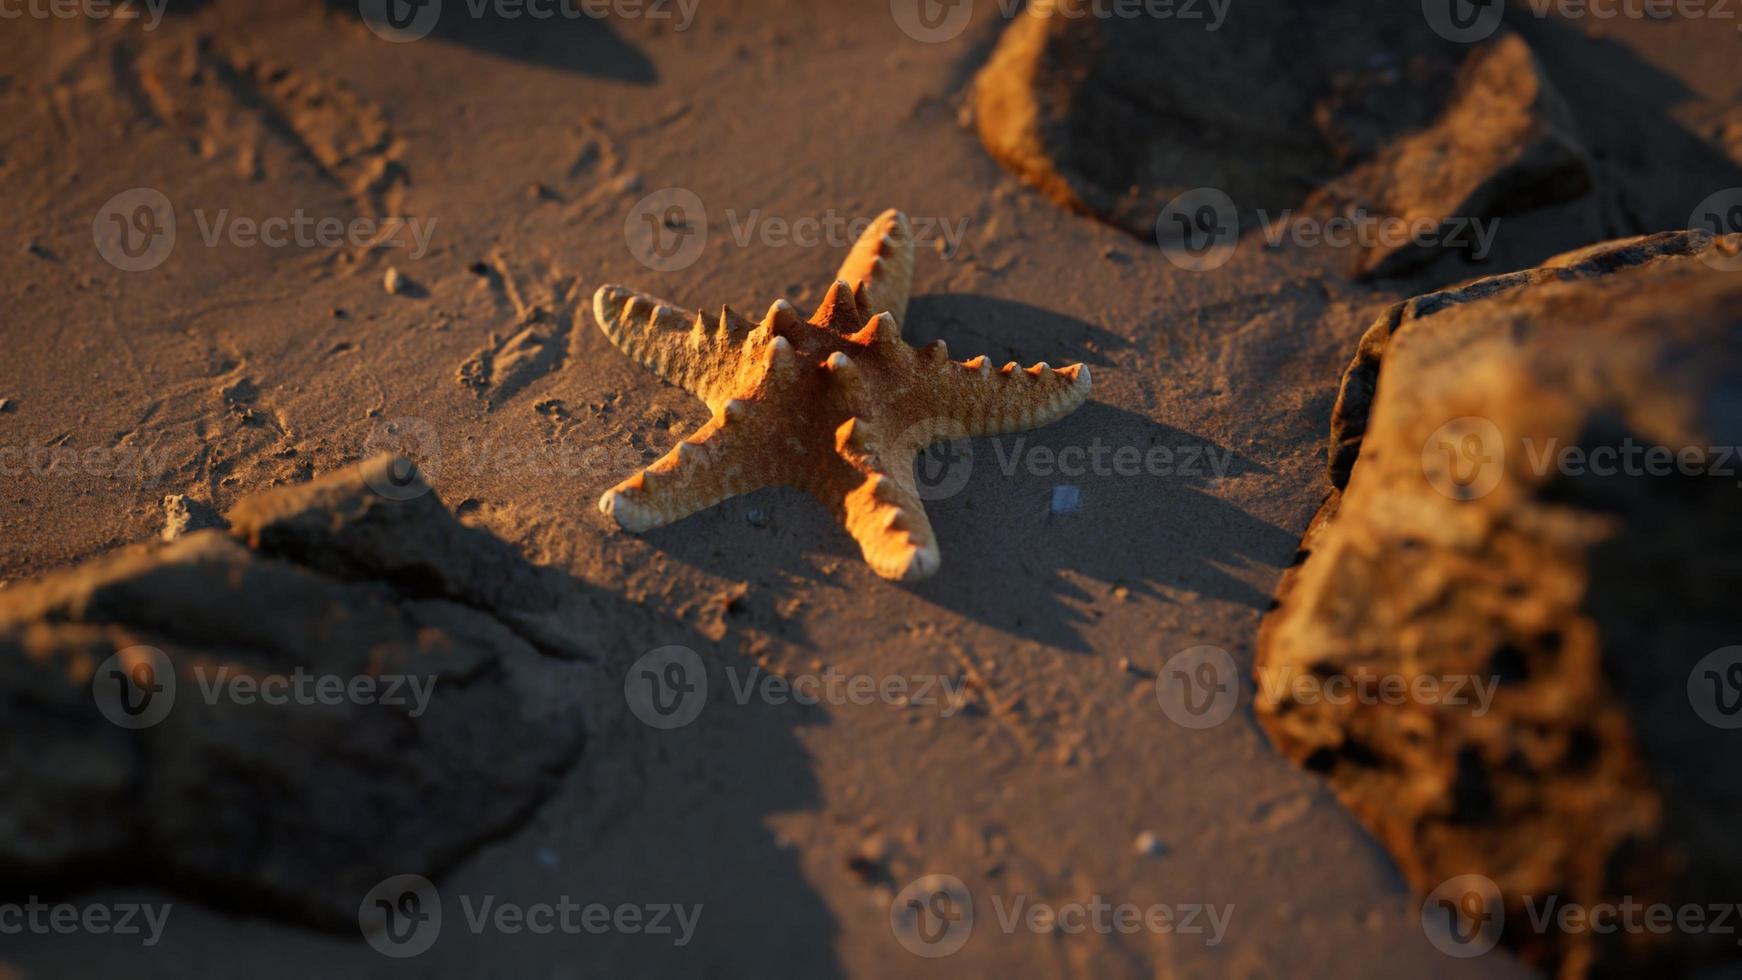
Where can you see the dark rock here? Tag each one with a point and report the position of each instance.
(448, 730)
(1340, 108)
(1464, 547)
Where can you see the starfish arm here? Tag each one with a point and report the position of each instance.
(687, 349)
(878, 504)
(724, 458)
(882, 262)
(974, 399)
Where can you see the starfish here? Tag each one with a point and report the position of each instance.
(837, 405)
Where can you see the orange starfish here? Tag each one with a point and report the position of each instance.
(838, 406)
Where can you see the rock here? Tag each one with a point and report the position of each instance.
(414, 715)
(395, 282)
(5, 404)
(1462, 547)
(1330, 109)
(182, 514)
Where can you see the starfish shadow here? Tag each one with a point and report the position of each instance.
(1145, 518)
(1007, 330)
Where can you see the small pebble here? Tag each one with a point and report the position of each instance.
(756, 517)
(5, 404)
(1066, 499)
(183, 515)
(1149, 845)
(394, 282)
